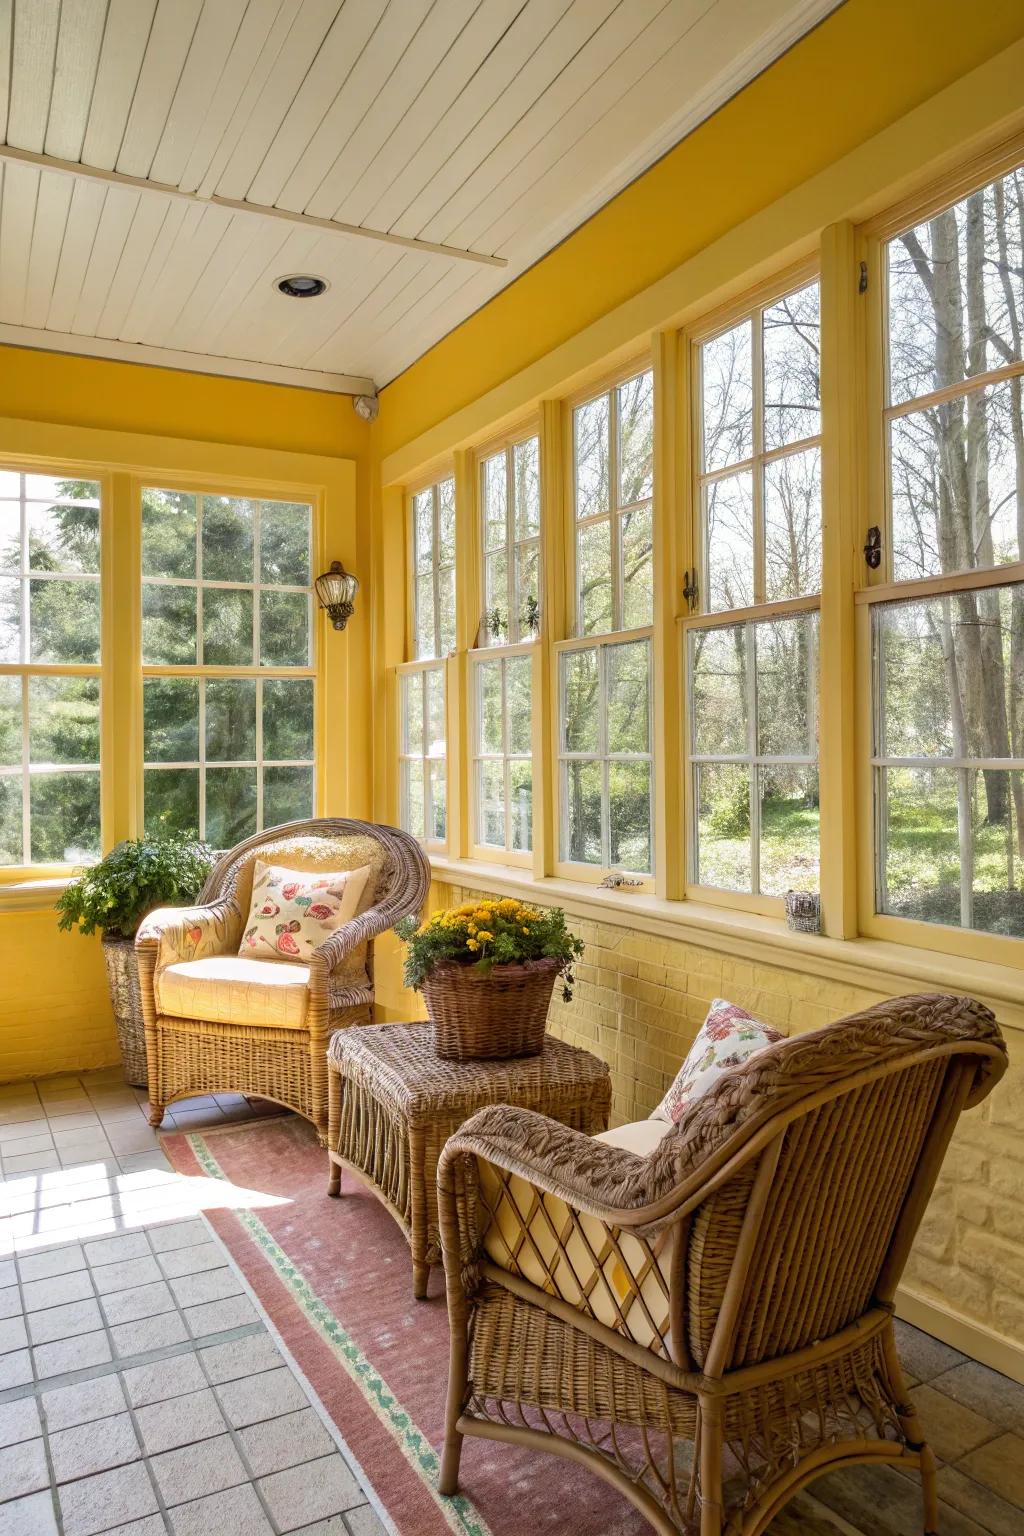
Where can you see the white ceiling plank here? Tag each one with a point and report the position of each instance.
(600, 59)
(365, 304)
(215, 37)
(353, 302)
(239, 324)
(107, 249)
(161, 253)
(52, 207)
(317, 123)
(17, 216)
(298, 323)
(503, 112)
(6, 28)
(408, 337)
(170, 39)
(420, 117)
(375, 106)
(301, 61)
(121, 55)
(79, 40)
(263, 30)
(32, 55)
(232, 270)
(135, 263)
(178, 285)
(83, 220)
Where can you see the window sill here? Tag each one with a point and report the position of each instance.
(763, 940)
(32, 895)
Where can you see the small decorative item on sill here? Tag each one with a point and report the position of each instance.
(487, 970)
(803, 911)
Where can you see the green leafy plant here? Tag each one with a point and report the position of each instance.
(487, 933)
(134, 878)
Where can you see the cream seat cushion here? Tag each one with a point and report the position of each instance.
(232, 989)
(604, 1288)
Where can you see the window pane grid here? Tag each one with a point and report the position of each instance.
(50, 690)
(613, 449)
(216, 671)
(605, 758)
(433, 580)
(759, 486)
(509, 503)
(501, 753)
(423, 781)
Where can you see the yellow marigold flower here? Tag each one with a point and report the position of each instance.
(472, 944)
(484, 935)
(525, 929)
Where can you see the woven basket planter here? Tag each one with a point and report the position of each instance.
(496, 1014)
(123, 981)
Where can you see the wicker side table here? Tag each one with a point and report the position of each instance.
(393, 1103)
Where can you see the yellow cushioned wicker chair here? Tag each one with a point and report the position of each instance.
(218, 1022)
(709, 1326)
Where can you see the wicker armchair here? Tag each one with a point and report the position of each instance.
(709, 1327)
(273, 1046)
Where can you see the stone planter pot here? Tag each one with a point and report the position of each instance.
(123, 981)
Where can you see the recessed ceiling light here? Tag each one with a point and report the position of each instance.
(300, 285)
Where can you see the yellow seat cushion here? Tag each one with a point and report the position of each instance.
(639, 1136)
(230, 989)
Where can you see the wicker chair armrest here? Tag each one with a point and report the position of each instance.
(328, 956)
(190, 933)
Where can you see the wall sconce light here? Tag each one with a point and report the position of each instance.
(337, 590)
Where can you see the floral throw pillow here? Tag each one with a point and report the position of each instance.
(293, 911)
(728, 1037)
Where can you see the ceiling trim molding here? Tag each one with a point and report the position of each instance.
(81, 172)
(184, 362)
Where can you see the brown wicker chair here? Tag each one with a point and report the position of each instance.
(189, 1056)
(709, 1327)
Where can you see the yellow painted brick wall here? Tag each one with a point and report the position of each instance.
(639, 1002)
(55, 1013)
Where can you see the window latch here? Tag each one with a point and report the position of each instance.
(690, 588)
(873, 548)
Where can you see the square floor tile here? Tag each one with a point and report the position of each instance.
(8, 1273)
(173, 1377)
(25, 1136)
(113, 1250)
(999, 1465)
(236, 1512)
(19, 1420)
(13, 1334)
(363, 1521)
(180, 1421)
(191, 1260)
(109, 1499)
(265, 1396)
(220, 1316)
(93, 1447)
(196, 1470)
(276, 1444)
(311, 1491)
(71, 1354)
(149, 1525)
(31, 1516)
(83, 1401)
(138, 1301)
(15, 1369)
(57, 1290)
(241, 1357)
(10, 1302)
(206, 1285)
(23, 1468)
(57, 1261)
(126, 1274)
(30, 1162)
(72, 1115)
(179, 1234)
(148, 1333)
(65, 1322)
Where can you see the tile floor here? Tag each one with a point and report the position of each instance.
(141, 1392)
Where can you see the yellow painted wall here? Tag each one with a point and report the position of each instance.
(55, 1013)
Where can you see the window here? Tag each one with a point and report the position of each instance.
(433, 551)
(503, 752)
(227, 638)
(510, 528)
(423, 789)
(613, 481)
(752, 684)
(605, 755)
(948, 751)
(49, 669)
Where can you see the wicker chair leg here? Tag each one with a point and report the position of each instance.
(156, 1113)
(710, 1468)
(913, 1432)
(448, 1481)
(334, 1182)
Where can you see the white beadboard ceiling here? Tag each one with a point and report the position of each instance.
(165, 160)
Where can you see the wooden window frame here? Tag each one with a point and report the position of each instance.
(432, 485)
(506, 448)
(489, 852)
(423, 669)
